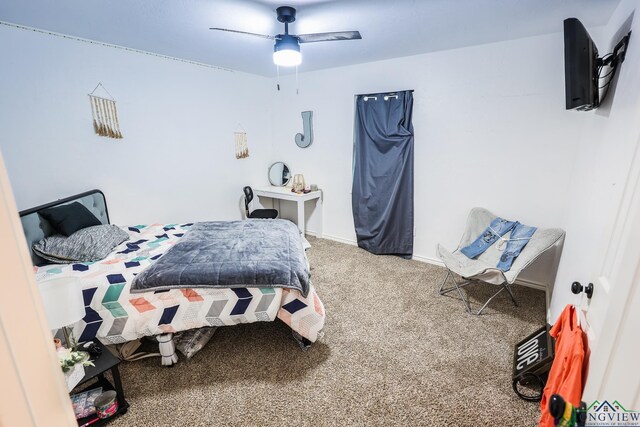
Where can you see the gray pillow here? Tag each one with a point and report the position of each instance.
(88, 244)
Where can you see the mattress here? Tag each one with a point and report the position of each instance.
(114, 315)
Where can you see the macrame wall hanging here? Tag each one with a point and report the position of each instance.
(105, 115)
(242, 149)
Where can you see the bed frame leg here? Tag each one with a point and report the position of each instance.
(167, 349)
(302, 341)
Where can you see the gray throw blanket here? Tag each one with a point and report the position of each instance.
(231, 254)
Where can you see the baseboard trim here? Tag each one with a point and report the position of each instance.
(531, 284)
(334, 238)
(429, 260)
(421, 258)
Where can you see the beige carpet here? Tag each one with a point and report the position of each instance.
(394, 353)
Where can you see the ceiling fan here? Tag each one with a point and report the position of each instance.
(286, 51)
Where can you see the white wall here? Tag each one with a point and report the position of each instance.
(491, 130)
(177, 159)
(611, 138)
(490, 124)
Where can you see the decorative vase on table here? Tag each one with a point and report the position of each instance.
(298, 183)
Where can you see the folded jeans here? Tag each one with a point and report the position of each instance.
(498, 228)
(519, 238)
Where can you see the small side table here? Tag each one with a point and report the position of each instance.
(105, 362)
(284, 193)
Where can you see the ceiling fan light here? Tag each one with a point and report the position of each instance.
(287, 58)
(286, 52)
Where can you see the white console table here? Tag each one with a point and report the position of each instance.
(284, 193)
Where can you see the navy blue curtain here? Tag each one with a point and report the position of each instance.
(382, 193)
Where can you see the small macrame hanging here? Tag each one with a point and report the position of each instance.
(242, 149)
(105, 115)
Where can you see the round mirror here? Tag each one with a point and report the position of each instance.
(279, 174)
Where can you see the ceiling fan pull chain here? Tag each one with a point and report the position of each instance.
(278, 78)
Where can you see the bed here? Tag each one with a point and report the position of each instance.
(114, 314)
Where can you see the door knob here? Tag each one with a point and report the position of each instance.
(576, 288)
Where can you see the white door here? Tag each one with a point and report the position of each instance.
(613, 314)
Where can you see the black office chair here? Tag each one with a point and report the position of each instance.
(257, 213)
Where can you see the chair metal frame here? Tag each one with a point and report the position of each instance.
(458, 286)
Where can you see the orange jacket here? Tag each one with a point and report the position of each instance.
(566, 376)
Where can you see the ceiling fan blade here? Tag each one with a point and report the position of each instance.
(326, 37)
(264, 36)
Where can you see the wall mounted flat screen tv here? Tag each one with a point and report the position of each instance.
(580, 67)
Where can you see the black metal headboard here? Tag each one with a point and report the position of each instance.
(37, 228)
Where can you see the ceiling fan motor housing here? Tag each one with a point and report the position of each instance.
(286, 51)
(286, 14)
(286, 42)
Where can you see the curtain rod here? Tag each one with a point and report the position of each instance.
(393, 92)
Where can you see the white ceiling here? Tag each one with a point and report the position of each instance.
(390, 28)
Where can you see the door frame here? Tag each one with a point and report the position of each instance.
(35, 393)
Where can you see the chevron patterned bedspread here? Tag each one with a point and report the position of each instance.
(114, 315)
